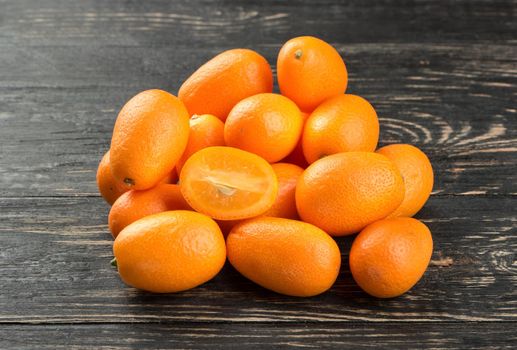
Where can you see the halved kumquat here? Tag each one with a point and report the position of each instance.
(228, 183)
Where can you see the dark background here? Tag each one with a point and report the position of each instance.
(441, 75)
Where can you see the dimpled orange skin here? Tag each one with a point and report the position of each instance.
(134, 205)
(205, 130)
(344, 192)
(342, 123)
(109, 188)
(227, 183)
(149, 137)
(286, 256)
(269, 125)
(310, 71)
(170, 252)
(225, 80)
(417, 172)
(390, 256)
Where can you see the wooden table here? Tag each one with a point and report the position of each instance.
(441, 76)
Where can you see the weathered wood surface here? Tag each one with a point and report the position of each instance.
(55, 268)
(441, 75)
(232, 23)
(260, 336)
(57, 116)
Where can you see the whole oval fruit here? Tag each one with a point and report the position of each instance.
(223, 81)
(149, 137)
(286, 256)
(170, 252)
(343, 123)
(417, 171)
(344, 192)
(390, 256)
(134, 205)
(310, 71)
(269, 125)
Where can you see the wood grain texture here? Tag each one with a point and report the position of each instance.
(238, 23)
(441, 75)
(58, 109)
(258, 336)
(56, 253)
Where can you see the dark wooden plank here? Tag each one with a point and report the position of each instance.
(453, 101)
(54, 267)
(441, 75)
(219, 23)
(260, 336)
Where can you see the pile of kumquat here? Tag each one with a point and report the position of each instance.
(231, 170)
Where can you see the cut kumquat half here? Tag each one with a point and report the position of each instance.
(227, 183)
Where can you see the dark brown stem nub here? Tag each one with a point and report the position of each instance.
(298, 54)
(113, 262)
(129, 181)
